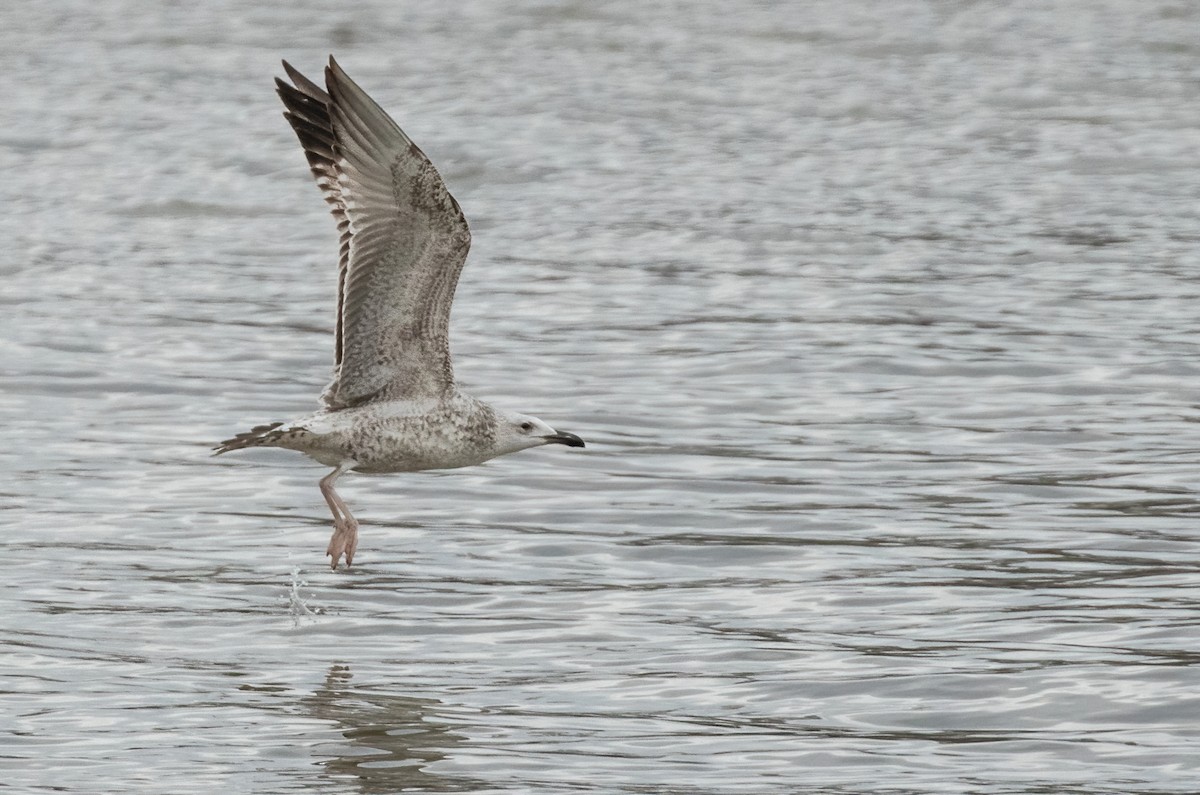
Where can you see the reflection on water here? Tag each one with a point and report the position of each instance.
(390, 740)
(880, 321)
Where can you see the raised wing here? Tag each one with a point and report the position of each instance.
(403, 242)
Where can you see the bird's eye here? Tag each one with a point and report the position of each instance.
(526, 427)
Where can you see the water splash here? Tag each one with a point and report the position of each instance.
(298, 605)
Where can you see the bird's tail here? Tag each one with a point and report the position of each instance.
(260, 436)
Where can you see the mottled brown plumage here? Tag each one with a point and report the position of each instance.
(404, 241)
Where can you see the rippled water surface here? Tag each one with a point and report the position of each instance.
(880, 320)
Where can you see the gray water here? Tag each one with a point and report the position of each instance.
(880, 320)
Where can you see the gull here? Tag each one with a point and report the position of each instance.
(392, 405)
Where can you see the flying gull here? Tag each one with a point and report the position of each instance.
(392, 405)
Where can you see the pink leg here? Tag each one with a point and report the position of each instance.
(345, 528)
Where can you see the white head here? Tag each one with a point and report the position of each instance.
(520, 432)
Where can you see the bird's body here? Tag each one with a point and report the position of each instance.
(393, 405)
(390, 436)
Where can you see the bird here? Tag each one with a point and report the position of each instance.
(393, 404)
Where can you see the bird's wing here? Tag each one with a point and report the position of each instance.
(403, 242)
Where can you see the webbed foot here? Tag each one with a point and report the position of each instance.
(343, 541)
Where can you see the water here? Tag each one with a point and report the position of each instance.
(879, 319)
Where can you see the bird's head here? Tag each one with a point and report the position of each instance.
(520, 432)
